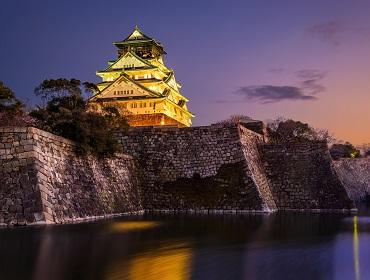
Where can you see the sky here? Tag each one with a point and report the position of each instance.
(306, 60)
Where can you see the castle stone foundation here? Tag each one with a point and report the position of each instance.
(212, 169)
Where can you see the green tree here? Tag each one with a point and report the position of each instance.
(288, 130)
(346, 150)
(65, 112)
(8, 102)
(12, 109)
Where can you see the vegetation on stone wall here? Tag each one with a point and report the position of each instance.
(287, 130)
(346, 150)
(234, 119)
(64, 111)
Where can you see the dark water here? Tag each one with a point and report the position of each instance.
(279, 246)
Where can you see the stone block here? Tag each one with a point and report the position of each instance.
(39, 217)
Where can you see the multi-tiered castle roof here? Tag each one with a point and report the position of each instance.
(141, 85)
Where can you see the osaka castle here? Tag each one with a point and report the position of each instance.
(141, 86)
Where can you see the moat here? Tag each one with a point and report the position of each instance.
(276, 246)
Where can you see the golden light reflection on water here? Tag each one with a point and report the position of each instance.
(127, 226)
(356, 253)
(164, 263)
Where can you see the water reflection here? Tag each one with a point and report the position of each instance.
(165, 263)
(356, 254)
(282, 246)
(126, 226)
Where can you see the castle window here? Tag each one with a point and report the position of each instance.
(132, 92)
(144, 104)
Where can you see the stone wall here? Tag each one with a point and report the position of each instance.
(217, 168)
(302, 176)
(200, 168)
(355, 175)
(42, 180)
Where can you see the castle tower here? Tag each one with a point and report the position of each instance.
(141, 86)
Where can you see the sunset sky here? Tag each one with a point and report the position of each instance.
(307, 60)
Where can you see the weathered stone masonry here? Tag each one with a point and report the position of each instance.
(302, 176)
(355, 174)
(42, 180)
(200, 168)
(214, 169)
(229, 167)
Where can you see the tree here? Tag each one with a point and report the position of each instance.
(8, 102)
(91, 88)
(288, 130)
(234, 119)
(346, 150)
(67, 114)
(12, 110)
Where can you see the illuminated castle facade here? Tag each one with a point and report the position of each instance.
(141, 86)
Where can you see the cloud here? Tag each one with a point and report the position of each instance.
(326, 32)
(311, 80)
(311, 74)
(272, 94)
(306, 88)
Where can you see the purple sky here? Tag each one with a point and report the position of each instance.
(307, 60)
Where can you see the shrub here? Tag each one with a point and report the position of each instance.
(18, 119)
(288, 130)
(234, 119)
(346, 150)
(66, 113)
